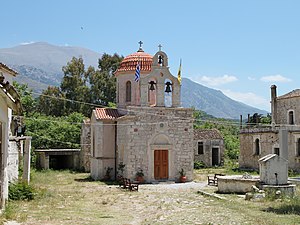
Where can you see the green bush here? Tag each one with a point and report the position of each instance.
(21, 191)
(199, 165)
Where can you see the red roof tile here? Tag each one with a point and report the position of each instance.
(207, 134)
(129, 62)
(107, 114)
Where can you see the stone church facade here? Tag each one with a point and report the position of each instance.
(258, 141)
(148, 131)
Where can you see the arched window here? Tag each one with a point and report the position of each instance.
(291, 117)
(257, 148)
(128, 91)
(152, 91)
(168, 93)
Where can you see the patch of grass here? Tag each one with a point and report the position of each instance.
(11, 211)
(288, 206)
(199, 165)
(21, 191)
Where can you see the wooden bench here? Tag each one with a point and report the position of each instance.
(128, 184)
(213, 179)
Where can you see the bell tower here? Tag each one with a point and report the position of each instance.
(160, 88)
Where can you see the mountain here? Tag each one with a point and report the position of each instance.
(40, 65)
(213, 102)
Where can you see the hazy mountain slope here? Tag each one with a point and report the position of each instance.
(43, 62)
(39, 64)
(213, 102)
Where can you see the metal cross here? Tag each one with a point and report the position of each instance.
(140, 42)
(159, 47)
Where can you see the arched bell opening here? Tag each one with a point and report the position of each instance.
(168, 93)
(152, 92)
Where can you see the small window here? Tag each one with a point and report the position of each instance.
(291, 118)
(257, 147)
(200, 148)
(276, 151)
(128, 91)
(298, 147)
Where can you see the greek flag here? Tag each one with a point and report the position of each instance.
(137, 72)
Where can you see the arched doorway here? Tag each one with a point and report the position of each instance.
(161, 158)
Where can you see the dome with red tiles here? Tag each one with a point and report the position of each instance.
(130, 62)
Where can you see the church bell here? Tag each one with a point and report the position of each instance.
(152, 87)
(168, 87)
(160, 59)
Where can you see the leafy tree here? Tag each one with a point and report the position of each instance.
(27, 100)
(103, 81)
(256, 119)
(74, 86)
(51, 102)
(54, 132)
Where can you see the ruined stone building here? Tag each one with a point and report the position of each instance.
(258, 141)
(209, 147)
(9, 155)
(148, 131)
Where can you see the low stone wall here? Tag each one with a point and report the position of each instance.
(236, 184)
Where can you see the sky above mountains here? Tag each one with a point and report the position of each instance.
(238, 47)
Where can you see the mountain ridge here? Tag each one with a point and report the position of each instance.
(40, 64)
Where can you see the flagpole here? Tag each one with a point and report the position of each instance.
(179, 73)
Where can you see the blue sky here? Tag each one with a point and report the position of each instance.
(238, 47)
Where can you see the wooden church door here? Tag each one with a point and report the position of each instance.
(161, 164)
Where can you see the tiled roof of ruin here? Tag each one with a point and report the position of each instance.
(5, 67)
(11, 94)
(294, 93)
(107, 114)
(207, 134)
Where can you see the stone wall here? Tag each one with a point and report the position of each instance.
(268, 139)
(206, 157)
(85, 141)
(284, 106)
(103, 148)
(13, 161)
(146, 129)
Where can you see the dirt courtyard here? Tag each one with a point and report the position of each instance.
(72, 198)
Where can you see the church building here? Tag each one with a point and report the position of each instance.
(148, 132)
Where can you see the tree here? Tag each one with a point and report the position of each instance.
(103, 81)
(75, 88)
(256, 118)
(54, 132)
(52, 102)
(27, 100)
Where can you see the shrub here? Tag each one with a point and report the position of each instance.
(21, 191)
(199, 165)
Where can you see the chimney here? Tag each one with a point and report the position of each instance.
(273, 103)
(241, 121)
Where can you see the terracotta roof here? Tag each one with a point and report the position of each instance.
(294, 93)
(129, 62)
(5, 67)
(207, 134)
(107, 114)
(12, 95)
